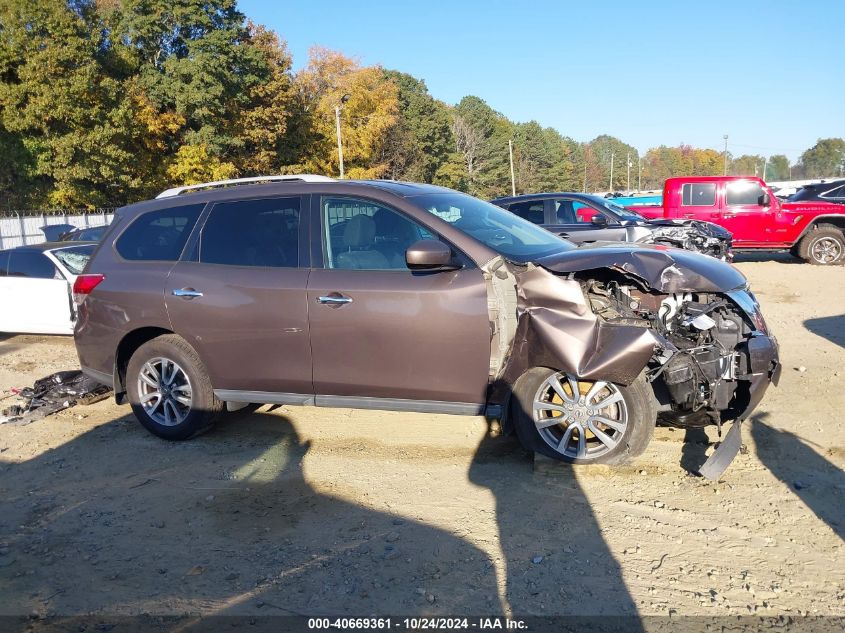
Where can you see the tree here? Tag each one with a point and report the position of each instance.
(778, 168)
(421, 139)
(603, 147)
(826, 158)
(367, 116)
(747, 165)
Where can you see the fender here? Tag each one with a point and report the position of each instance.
(813, 223)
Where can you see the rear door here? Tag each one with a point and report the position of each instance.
(238, 297)
(699, 201)
(36, 297)
(381, 331)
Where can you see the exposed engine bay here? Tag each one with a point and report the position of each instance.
(692, 235)
(701, 366)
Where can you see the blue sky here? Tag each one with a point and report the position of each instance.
(771, 75)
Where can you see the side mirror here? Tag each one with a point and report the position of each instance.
(765, 200)
(599, 220)
(429, 255)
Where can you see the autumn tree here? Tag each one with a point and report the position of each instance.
(603, 148)
(367, 115)
(778, 168)
(747, 165)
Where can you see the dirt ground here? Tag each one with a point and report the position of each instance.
(333, 511)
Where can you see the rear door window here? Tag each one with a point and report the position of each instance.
(531, 210)
(31, 265)
(159, 235)
(262, 233)
(698, 194)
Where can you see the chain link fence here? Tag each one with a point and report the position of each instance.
(19, 228)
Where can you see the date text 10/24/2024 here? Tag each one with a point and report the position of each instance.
(417, 624)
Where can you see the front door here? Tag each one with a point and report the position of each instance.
(573, 219)
(36, 297)
(241, 300)
(744, 215)
(380, 330)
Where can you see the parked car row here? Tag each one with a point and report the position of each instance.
(390, 295)
(586, 219)
(810, 225)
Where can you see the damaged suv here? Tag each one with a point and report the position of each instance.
(585, 219)
(409, 297)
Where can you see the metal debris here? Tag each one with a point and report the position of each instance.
(52, 394)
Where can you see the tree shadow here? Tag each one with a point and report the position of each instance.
(818, 483)
(117, 521)
(830, 327)
(555, 559)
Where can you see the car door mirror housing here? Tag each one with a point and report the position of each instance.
(429, 255)
(599, 220)
(765, 200)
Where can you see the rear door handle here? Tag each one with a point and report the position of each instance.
(729, 215)
(187, 293)
(334, 299)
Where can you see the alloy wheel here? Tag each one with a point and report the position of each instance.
(164, 391)
(826, 250)
(580, 419)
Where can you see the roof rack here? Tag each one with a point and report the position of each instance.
(175, 191)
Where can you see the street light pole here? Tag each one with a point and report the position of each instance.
(610, 187)
(628, 161)
(726, 153)
(585, 172)
(639, 174)
(337, 108)
(513, 180)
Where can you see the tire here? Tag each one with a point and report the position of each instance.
(634, 404)
(823, 246)
(186, 405)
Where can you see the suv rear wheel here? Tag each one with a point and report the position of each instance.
(169, 389)
(823, 246)
(580, 421)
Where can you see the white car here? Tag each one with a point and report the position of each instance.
(36, 284)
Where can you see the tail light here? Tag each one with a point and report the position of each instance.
(83, 286)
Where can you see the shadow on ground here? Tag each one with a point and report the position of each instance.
(117, 521)
(819, 483)
(781, 257)
(831, 327)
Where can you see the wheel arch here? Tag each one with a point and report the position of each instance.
(834, 221)
(127, 346)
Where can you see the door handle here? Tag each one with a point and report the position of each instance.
(334, 300)
(689, 215)
(729, 215)
(187, 293)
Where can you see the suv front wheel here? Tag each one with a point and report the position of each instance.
(581, 421)
(169, 389)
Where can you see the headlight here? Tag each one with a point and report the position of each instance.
(747, 302)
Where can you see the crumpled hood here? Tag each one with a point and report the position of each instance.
(705, 228)
(660, 268)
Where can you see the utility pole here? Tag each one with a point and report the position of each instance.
(513, 180)
(640, 174)
(585, 173)
(628, 160)
(610, 187)
(765, 164)
(726, 153)
(337, 108)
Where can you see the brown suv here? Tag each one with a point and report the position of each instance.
(410, 297)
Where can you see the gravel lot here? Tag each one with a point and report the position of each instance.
(334, 511)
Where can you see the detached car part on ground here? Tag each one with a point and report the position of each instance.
(585, 219)
(414, 298)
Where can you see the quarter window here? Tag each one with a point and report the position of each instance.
(363, 235)
(32, 266)
(699, 194)
(159, 235)
(261, 233)
(743, 192)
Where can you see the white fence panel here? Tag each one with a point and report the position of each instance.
(22, 229)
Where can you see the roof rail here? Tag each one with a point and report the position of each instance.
(175, 191)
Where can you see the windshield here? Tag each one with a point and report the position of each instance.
(617, 209)
(500, 230)
(75, 258)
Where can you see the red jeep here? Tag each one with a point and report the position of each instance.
(746, 207)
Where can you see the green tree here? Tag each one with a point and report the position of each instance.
(605, 146)
(421, 139)
(826, 158)
(746, 165)
(778, 168)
